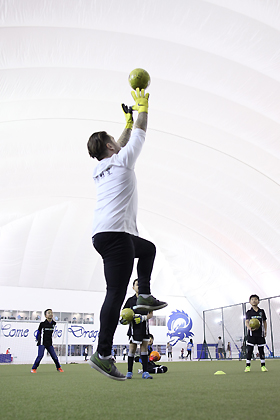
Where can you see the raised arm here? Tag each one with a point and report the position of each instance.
(141, 105)
(142, 121)
(125, 136)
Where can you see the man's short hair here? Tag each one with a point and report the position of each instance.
(97, 144)
(134, 281)
(254, 296)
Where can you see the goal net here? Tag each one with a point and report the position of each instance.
(18, 343)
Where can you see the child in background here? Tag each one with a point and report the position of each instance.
(255, 336)
(138, 333)
(189, 349)
(152, 366)
(44, 341)
(229, 349)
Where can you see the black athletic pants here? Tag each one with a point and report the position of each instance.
(118, 250)
(249, 354)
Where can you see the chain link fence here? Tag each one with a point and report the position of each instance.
(228, 322)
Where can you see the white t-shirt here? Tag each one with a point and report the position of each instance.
(115, 180)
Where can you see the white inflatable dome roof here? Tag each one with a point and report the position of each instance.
(209, 173)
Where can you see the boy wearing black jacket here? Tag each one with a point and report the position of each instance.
(138, 333)
(44, 341)
(256, 336)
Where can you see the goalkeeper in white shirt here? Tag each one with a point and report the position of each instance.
(115, 236)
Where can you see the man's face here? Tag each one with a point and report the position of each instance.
(135, 287)
(254, 301)
(49, 314)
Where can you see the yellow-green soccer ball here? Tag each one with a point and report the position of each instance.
(139, 78)
(127, 314)
(254, 323)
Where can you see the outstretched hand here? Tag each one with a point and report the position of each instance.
(141, 100)
(128, 116)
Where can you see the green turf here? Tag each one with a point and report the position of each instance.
(189, 390)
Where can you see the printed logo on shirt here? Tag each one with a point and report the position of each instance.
(104, 173)
(257, 316)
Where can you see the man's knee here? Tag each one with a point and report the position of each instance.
(152, 248)
(144, 247)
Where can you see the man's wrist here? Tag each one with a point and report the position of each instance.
(142, 121)
(129, 125)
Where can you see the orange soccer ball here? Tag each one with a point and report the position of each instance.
(155, 356)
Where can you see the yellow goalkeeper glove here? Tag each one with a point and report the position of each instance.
(123, 321)
(141, 100)
(139, 318)
(128, 116)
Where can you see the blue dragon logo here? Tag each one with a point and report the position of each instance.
(179, 326)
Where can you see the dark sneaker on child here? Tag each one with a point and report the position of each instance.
(106, 367)
(149, 303)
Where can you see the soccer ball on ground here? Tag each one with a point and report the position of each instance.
(127, 315)
(254, 323)
(155, 356)
(139, 78)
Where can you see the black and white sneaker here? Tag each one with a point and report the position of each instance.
(149, 303)
(106, 367)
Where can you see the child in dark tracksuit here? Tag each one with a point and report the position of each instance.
(44, 341)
